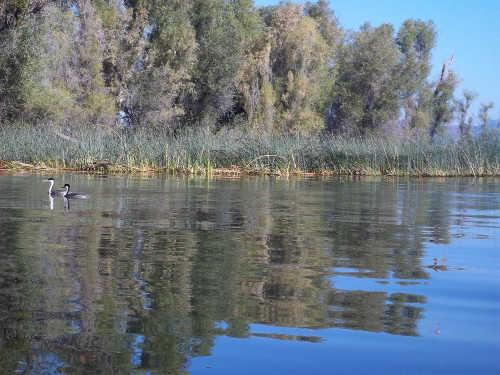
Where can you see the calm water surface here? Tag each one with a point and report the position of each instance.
(256, 275)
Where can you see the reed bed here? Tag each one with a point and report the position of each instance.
(238, 152)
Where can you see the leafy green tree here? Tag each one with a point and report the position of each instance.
(253, 73)
(51, 89)
(14, 12)
(333, 35)
(93, 96)
(441, 103)
(295, 71)
(161, 73)
(220, 50)
(17, 61)
(254, 87)
(365, 91)
(326, 20)
(415, 39)
(56, 81)
(172, 64)
(464, 119)
(302, 93)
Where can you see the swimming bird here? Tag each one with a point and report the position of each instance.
(71, 195)
(55, 191)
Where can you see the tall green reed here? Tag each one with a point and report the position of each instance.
(201, 151)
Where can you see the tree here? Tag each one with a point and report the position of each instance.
(327, 22)
(333, 35)
(19, 43)
(179, 63)
(365, 91)
(253, 82)
(161, 77)
(220, 39)
(291, 64)
(93, 95)
(56, 81)
(17, 60)
(441, 103)
(415, 40)
(253, 75)
(484, 115)
(14, 12)
(464, 120)
(304, 77)
(51, 88)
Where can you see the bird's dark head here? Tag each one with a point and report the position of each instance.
(50, 179)
(66, 186)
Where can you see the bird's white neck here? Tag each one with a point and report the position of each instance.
(51, 184)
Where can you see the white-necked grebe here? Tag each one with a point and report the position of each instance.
(71, 195)
(53, 192)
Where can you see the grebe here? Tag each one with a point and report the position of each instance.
(55, 191)
(70, 195)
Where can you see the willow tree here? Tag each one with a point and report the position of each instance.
(57, 78)
(484, 114)
(51, 88)
(441, 103)
(219, 37)
(17, 60)
(254, 87)
(332, 33)
(365, 91)
(19, 43)
(462, 106)
(302, 91)
(252, 79)
(300, 79)
(415, 39)
(94, 98)
(162, 69)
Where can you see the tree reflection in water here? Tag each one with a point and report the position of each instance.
(149, 277)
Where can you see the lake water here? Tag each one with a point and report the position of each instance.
(250, 276)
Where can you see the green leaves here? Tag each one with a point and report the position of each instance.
(217, 63)
(365, 94)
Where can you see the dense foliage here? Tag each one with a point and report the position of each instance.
(219, 63)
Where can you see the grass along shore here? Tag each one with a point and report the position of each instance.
(237, 152)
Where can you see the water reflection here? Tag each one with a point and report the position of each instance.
(147, 274)
(66, 204)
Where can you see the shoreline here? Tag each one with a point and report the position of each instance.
(236, 171)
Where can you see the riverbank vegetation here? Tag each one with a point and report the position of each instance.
(205, 85)
(240, 152)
